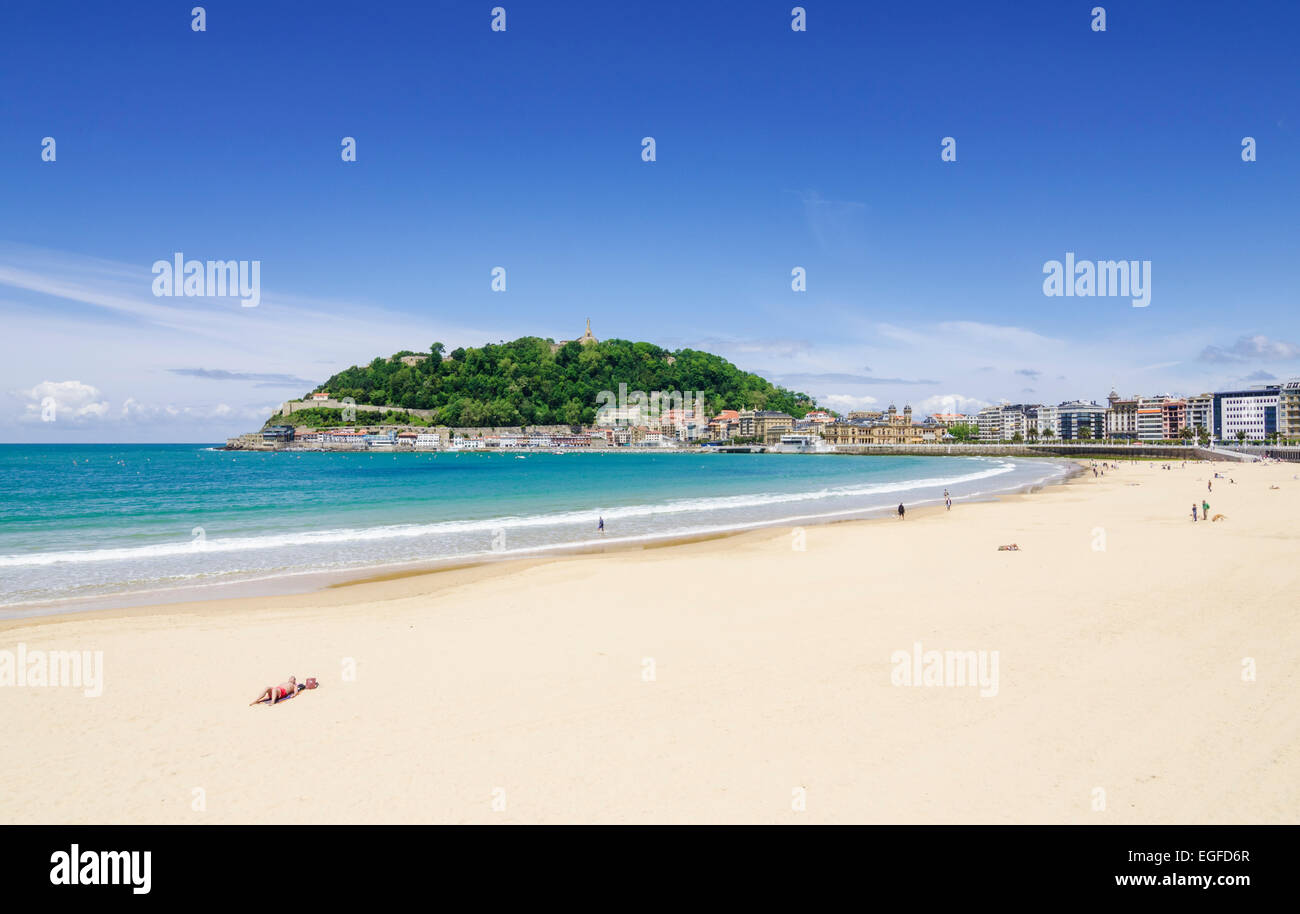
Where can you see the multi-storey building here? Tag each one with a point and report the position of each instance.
(1003, 423)
(948, 420)
(1288, 409)
(1047, 422)
(851, 433)
(1150, 418)
(766, 425)
(1077, 415)
(1200, 413)
(1173, 414)
(989, 420)
(1252, 412)
(1121, 416)
(724, 425)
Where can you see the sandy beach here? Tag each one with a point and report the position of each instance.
(738, 679)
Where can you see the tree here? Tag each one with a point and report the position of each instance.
(1241, 436)
(1085, 432)
(964, 431)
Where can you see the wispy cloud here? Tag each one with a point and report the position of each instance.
(67, 315)
(838, 226)
(842, 378)
(263, 380)
(1252, 348)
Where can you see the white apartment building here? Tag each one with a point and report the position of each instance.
(1002, 423)
(1150, 418)
(990, 423)
(1252, 411)
(428, 440)
(1200, 412)
(1048, 420)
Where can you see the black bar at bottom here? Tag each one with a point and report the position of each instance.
(327, 863)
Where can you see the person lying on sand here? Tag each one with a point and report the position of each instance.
(283, 692)
(1009, 548)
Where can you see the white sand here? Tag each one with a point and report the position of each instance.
(1118, 669)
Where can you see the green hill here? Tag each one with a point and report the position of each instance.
(524, 382)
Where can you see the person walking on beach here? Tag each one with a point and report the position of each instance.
(1205, 508)
(901, 512)
(600, 525)
(1193, 513)
(1209, 484)
(948, 501)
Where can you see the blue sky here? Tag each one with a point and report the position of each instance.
(521, 149)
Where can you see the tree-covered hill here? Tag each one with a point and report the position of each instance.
(525, 383)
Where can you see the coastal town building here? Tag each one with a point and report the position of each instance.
(1200, 413)
(1173, 416)
(948, 420)
(1288, 409)
(1080, 420)
(277, 434)
(725, 425)
(1121, 416)
(767, 426)
(894, 428)
(1047, 422)
(1250, 414)
(1150, 419)
(1003, 423)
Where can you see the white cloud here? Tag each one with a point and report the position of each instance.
(844, 403)
(950, 403)
(64, 401)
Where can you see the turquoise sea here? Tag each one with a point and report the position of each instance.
(96, 523)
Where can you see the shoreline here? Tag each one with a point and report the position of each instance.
(306, 582)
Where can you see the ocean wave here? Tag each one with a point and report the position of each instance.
(489, 525)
